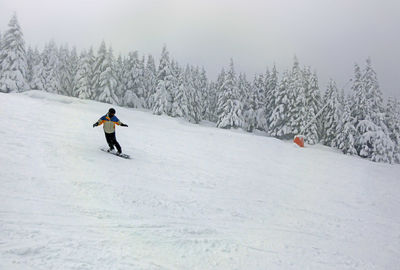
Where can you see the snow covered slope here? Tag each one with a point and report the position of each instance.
(191, 197)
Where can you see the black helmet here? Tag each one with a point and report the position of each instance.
(111, 111)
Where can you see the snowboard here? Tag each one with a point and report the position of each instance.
(122, 155)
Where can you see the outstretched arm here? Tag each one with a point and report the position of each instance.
(101, 121)
(119, 123)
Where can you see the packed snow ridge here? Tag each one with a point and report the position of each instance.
(191, 197)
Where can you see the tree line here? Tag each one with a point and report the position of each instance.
(361, 123)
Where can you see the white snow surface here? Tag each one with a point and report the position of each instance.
(191, 197)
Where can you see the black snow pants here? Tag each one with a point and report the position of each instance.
(111, 140)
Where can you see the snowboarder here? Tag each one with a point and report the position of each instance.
(110, 120)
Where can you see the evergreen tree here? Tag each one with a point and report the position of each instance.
(165, 83)
(108, 80)
(373, 140)
(82, 87)
(279, 121)
(361, 114)
(312, 107)
(119, 73)
(297, 100)
(129, 97)
(374, 95)
(193, 95)
(382, 145)
(212, 97)
(175, 71)
(133, 81)
(30, 63)
(342, 97)
(346, 132)
(289, 101)
(140, 82)
(150, 81)
(229, 105)
(63, 70)
(220, 80)
(271, 85)
(66, 70)
(204, 92)
(98, 68)
(332, 114)
(392, 120)
(258, 102)
(137, 79)
(249, 94)
(13, 59)
(211, 103)
(50, 66)
(359, 106)
(104, 76)
(91, 63)
(196, 95)
(72, 65)
(180, 104)
(38, 80)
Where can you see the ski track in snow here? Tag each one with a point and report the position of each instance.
(191, 197)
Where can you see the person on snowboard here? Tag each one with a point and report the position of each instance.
(110, 120)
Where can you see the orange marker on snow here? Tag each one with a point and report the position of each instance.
(299, 140)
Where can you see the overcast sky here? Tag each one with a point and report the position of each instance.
(329, 35)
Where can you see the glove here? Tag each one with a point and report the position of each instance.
(124, 125)
(95, 124)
